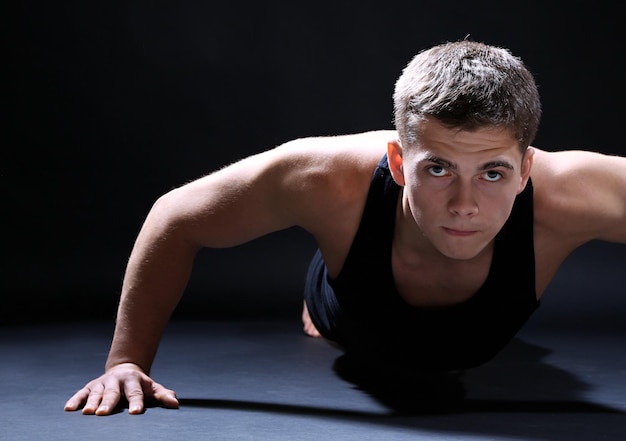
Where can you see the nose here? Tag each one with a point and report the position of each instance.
(463, 202)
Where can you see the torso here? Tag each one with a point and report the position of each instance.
(386, 300)
(438, 283)
(360, 301)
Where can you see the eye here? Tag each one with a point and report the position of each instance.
(492, 176)
(437, 170)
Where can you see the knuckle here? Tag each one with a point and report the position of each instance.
(112, 393)
(134, 392)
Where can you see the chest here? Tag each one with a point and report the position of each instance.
(427, 283)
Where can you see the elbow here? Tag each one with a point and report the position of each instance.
(163, 210)
(167, 218)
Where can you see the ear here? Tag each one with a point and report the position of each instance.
(527, 165)
(394, 158)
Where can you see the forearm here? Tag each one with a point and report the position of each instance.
(156, 276)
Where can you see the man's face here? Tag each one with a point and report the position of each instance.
(459, 187)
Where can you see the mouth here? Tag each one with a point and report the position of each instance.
(459, 233)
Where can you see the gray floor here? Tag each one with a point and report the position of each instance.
(265, 380)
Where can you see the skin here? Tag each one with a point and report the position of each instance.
(458, 188)
(458, 191)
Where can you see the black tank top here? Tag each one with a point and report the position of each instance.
(377, 321)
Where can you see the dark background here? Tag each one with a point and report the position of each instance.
(106, 106)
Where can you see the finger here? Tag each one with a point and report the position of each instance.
(76, 400)
(94, 397)
(107, 399)
(134, 394)
(166, 397)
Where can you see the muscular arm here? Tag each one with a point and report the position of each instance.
(579, 197)
(305, 183)
(582, 195)
(226, 208)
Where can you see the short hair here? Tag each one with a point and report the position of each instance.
(467, 85)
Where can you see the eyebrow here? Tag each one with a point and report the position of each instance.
(485, 166)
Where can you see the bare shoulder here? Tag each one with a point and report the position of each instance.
(335, 163)
(315, 159)
(580, 196)
(324, 182)
(351, 150)
(314, 183)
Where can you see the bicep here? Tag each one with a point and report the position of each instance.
(271, 191)
(586, 194)
(317, 184)
(225, 208)
(606, 195)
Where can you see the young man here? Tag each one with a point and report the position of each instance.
(436, 242)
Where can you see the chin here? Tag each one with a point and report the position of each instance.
(463, 253)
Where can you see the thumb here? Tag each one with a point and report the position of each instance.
(166, 397)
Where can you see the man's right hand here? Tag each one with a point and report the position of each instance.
(102, 395)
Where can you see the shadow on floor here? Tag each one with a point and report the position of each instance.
(515, 375)
(518, 394)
